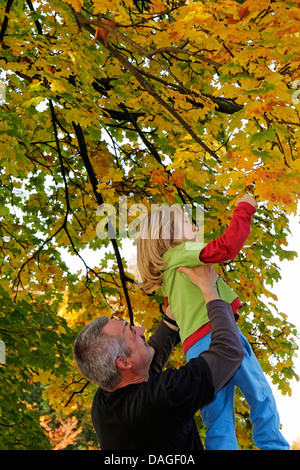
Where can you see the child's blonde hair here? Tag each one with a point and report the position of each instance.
(157, 235)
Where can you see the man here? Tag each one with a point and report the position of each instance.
(140, 406)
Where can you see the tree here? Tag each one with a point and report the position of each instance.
(296, 445)
(189, 102)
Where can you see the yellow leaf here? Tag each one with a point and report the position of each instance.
(58, 86)
(102, 6)
(76, 4)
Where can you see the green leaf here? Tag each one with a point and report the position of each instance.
(260, 138)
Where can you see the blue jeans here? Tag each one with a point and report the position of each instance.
(219, 416)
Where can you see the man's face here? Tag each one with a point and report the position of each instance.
(141, 354)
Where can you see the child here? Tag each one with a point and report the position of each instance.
(159, 255)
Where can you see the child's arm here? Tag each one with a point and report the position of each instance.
(227, 246)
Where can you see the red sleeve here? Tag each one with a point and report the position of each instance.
(227, 246)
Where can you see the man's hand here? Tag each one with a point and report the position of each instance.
(248, 198)
(170, 315)
(204, 277)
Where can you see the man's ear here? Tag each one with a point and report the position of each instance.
(123, 364)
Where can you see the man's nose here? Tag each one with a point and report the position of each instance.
(139, 330)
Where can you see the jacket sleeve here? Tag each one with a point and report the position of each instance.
(193, 385)
(163, 340)
(226, 352)
(228, 246)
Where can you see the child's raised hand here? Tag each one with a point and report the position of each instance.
(247, 198)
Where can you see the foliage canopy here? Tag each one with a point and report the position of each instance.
(175, 101)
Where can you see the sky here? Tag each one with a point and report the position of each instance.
(287, 292)
(288, 303)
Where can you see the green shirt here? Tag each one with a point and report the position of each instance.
(185, 299)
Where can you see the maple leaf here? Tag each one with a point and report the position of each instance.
(178, 178)
(102, 32)
(158, 177)
(242, 12)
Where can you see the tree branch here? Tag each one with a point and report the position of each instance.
(77, 393)
(5, 20)
(99, 198)
(144, 83)
(180, 50)
(37, 23)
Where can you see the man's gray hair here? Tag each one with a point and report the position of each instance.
(96, 353)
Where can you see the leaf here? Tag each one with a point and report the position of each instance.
(102, 32)
(262, 137)
(76, 4)
(34, 101)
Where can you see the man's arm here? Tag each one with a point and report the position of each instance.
(225, 353)
(163, 341)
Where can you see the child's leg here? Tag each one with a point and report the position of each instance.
(219, 415)
(263, 412)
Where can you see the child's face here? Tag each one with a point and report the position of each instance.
(189, 231)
